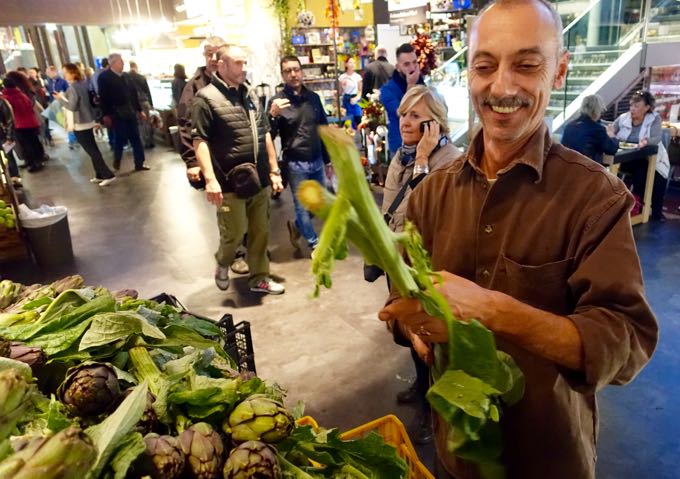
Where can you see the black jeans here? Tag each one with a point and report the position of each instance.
(124, 131)
(31, 147)
(89, 144)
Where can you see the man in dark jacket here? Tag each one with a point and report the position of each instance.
(145, 100)
(377, 73)
(587, 135)
(406, 75)
(120, 109)
(237, 158)
(295, 113)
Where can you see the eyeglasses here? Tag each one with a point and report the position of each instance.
(291, 70)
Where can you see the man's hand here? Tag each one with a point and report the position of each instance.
(412, 78)
(214, 192)
(142, 116)
(277, 182)
(428, 142)
(424, 351)
(467, 301)
(107, 121)
(194, 173)
(278, 105)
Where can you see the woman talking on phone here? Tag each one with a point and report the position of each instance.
(423, 124)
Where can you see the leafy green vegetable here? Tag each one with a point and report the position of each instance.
(471, 377)
(108, 328)
(110, 434)
(130, 448)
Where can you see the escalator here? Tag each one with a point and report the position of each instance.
(605, 57)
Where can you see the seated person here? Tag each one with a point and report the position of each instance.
(587, 135)
(642, 125)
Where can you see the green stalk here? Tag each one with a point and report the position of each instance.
(144, 369)
(345, 159)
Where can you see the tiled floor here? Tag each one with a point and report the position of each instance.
(151, 232)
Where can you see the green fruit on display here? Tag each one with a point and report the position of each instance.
(15, 392)
(204, 450)
(3, 204)
(252, 460)
(162, 459)
(259, 418)
(67, 454)
(90, 389)
(9, 291)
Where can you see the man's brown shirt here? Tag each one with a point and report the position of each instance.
(554, 232)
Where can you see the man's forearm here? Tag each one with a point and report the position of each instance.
(271, 152)
(548, 335)
(204, 160)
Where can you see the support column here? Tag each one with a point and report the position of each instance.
(34, 39)
(88, 46)
(44, 40)
(61, 45)
(81, 50)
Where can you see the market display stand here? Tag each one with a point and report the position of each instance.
(317, 51)
(13, 244)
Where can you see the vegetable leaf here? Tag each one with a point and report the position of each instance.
(110, 434)
(130, 448)
(110, 327)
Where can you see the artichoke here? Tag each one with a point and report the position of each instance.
(69, 282)
(252, 459)
(15, 391)
(90, 389)
(67, 454)
(34, 356)
(259, 418)
(204, 450)
(9, 292)
(162, 459)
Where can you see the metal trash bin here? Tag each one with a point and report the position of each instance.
(51, 244)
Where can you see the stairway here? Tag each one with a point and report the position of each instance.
(584, 68)
(623, 104)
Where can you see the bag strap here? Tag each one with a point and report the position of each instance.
(411, 183)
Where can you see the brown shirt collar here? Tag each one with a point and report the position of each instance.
(533, 155)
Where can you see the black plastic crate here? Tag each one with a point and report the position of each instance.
(238, 342)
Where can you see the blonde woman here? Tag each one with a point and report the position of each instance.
(424, 129)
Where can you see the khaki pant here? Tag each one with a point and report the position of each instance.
(235, 218)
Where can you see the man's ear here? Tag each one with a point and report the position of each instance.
(562, 68)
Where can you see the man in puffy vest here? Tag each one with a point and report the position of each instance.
(236, 155)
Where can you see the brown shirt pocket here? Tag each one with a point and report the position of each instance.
(543, 286)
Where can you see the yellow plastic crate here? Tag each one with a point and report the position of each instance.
(394, 433)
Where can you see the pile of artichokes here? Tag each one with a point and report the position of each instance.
(95, 384)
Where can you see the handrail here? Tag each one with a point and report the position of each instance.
(580, 16)
(631, 34)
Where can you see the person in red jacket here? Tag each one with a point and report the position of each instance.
(26, 124)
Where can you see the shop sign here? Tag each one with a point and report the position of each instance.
(409, 16)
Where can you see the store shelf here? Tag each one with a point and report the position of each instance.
(319, 80)
(312, 44)
(317, 64)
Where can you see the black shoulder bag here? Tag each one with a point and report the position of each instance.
(371, 271)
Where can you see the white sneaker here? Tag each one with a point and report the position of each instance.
(107, 181)
(222, 277)
(96, 180)
(269, 286)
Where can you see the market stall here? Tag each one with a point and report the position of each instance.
(13, 243)
(101, 384)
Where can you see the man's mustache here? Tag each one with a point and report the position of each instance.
(507, 101)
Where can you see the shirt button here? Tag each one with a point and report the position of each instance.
(486, 273)
(488, 229)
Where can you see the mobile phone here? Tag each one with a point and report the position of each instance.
(422, 125)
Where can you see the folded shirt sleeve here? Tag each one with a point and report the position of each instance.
(617, 326)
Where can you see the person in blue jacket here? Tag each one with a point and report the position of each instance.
(406, 75)
(587, 135)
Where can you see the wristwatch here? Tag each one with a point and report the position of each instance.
(276, 172)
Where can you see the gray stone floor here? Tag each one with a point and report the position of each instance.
(151, 232)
